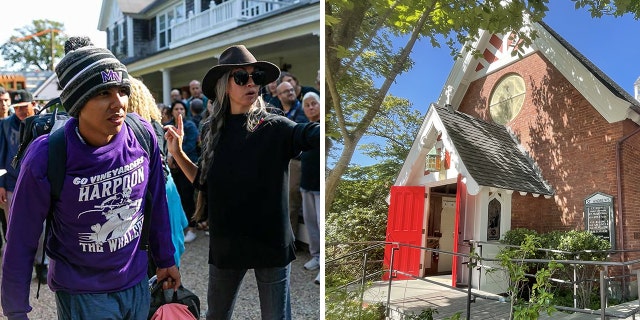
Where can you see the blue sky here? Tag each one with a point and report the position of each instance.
(610, 43)
(84, 24)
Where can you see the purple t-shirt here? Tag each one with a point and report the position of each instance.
(93, 243)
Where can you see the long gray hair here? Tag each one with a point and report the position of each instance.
(210, 134)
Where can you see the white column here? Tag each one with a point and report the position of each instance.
(166, 86)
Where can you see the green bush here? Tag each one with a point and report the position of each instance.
(574, 241)
(426, 314)
(575, 245)
(551, 239)
(517, 237)
(564, 297)
(341, 305)
(357, 224)
(584, 245)
(528, 295)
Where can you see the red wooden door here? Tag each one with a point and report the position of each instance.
(405, 225)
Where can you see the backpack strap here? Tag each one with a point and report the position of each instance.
(29, 131)
(57, 160)
(144, 138)
(142, 133)
(159, 131)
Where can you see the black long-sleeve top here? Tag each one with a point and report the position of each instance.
(248, 193)
(310, 170)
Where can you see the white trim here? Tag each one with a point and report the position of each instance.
(130, 46)
(612, 108)
(284, 26)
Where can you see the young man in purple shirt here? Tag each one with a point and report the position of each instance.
(96, 267)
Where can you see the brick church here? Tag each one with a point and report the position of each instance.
(543, 141)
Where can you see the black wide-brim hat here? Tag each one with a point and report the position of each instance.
(234, 57)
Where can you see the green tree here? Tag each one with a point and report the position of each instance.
(36, 46)
(395, 127)
(361, 61)
(360, 211)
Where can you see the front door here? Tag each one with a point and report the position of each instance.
(405, 226)
(447, 228)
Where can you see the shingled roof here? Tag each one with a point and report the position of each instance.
(491, 154)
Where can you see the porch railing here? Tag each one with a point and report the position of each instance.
(354, 267)
(223, 17)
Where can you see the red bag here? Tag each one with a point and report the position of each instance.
(173, 311)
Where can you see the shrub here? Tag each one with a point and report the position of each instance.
(574, 245)
(516, 237)
(583, 245)
(342, 305)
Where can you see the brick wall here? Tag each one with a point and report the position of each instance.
(574, 146)
(631, 187)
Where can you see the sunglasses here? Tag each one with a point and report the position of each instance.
(241, 77)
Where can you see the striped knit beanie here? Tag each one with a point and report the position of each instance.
(85, 70)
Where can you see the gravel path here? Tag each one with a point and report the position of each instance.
(305, 295)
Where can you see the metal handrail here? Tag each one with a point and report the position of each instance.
(473, 263)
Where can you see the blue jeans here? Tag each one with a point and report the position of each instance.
(129, 304)
(273, 289)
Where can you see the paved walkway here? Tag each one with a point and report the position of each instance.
(305, 295)
(413, 296)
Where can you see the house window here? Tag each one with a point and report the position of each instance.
(117, 39)
(179, 13)
(163, 32)
(493, 223)
(204, 4)
(165, 21)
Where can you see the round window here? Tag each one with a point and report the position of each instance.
(507, 98)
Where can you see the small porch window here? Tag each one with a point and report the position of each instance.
(493, 223)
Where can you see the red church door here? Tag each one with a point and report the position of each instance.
(405, 225)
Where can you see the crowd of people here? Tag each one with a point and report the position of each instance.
(236, 160)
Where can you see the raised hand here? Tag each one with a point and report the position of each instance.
(174, 136)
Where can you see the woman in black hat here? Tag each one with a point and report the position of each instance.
(242, 176)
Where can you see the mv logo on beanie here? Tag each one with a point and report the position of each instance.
(111, 76)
